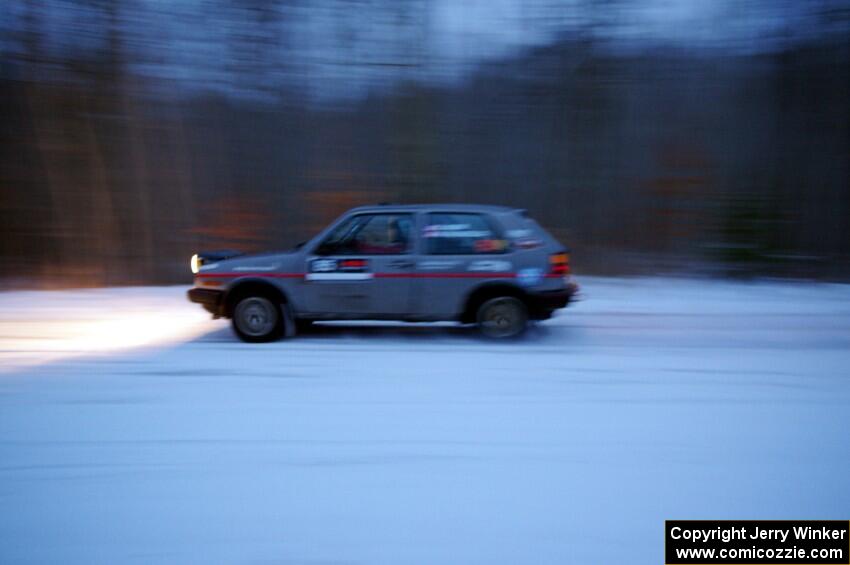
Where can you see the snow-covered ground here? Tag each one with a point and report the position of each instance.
(133, 429)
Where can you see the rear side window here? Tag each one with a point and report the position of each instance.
(524, 233)
(525, 238)
(461, 234)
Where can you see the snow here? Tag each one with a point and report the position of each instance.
(651, 399)
(39, 327)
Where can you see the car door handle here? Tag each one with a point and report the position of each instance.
(401, 264)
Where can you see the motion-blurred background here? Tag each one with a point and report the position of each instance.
(649, 135)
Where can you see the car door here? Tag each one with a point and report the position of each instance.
(460, 251)
(362, 268)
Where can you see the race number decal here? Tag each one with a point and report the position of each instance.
(323, 266)
(339, 270)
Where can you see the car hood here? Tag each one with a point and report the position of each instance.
(253, 262)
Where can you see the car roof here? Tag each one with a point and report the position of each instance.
(435, 208)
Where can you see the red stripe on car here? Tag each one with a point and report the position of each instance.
(484, 275)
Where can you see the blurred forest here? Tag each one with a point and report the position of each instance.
(117, 163)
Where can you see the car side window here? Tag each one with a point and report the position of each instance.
(461, 234)
(369, 234)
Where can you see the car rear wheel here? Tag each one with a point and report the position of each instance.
(257, 319)
(502, 317)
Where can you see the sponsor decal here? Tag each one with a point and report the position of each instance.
(489, 245)
(491, 265)
(323, 265)
(352, 265)
(527, 243)
(530, 276)
(339, 265)
(255, 268)
(453, 230)
(339, 270)
(437, 265)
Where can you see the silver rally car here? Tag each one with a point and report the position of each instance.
(487, 265)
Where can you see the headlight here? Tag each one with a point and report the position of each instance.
(195, 263)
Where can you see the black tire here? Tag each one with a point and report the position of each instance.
(502, 317)
(257, 319)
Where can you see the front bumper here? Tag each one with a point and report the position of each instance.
(542, 304)
(211, 300)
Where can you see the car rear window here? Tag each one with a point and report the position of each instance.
(461, 234)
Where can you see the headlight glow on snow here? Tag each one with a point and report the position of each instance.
(98, 322)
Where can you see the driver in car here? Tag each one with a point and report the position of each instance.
(393, 240)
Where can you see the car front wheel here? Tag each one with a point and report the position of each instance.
(257, 319)
(502, 317)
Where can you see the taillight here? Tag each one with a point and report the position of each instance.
(559, 264)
